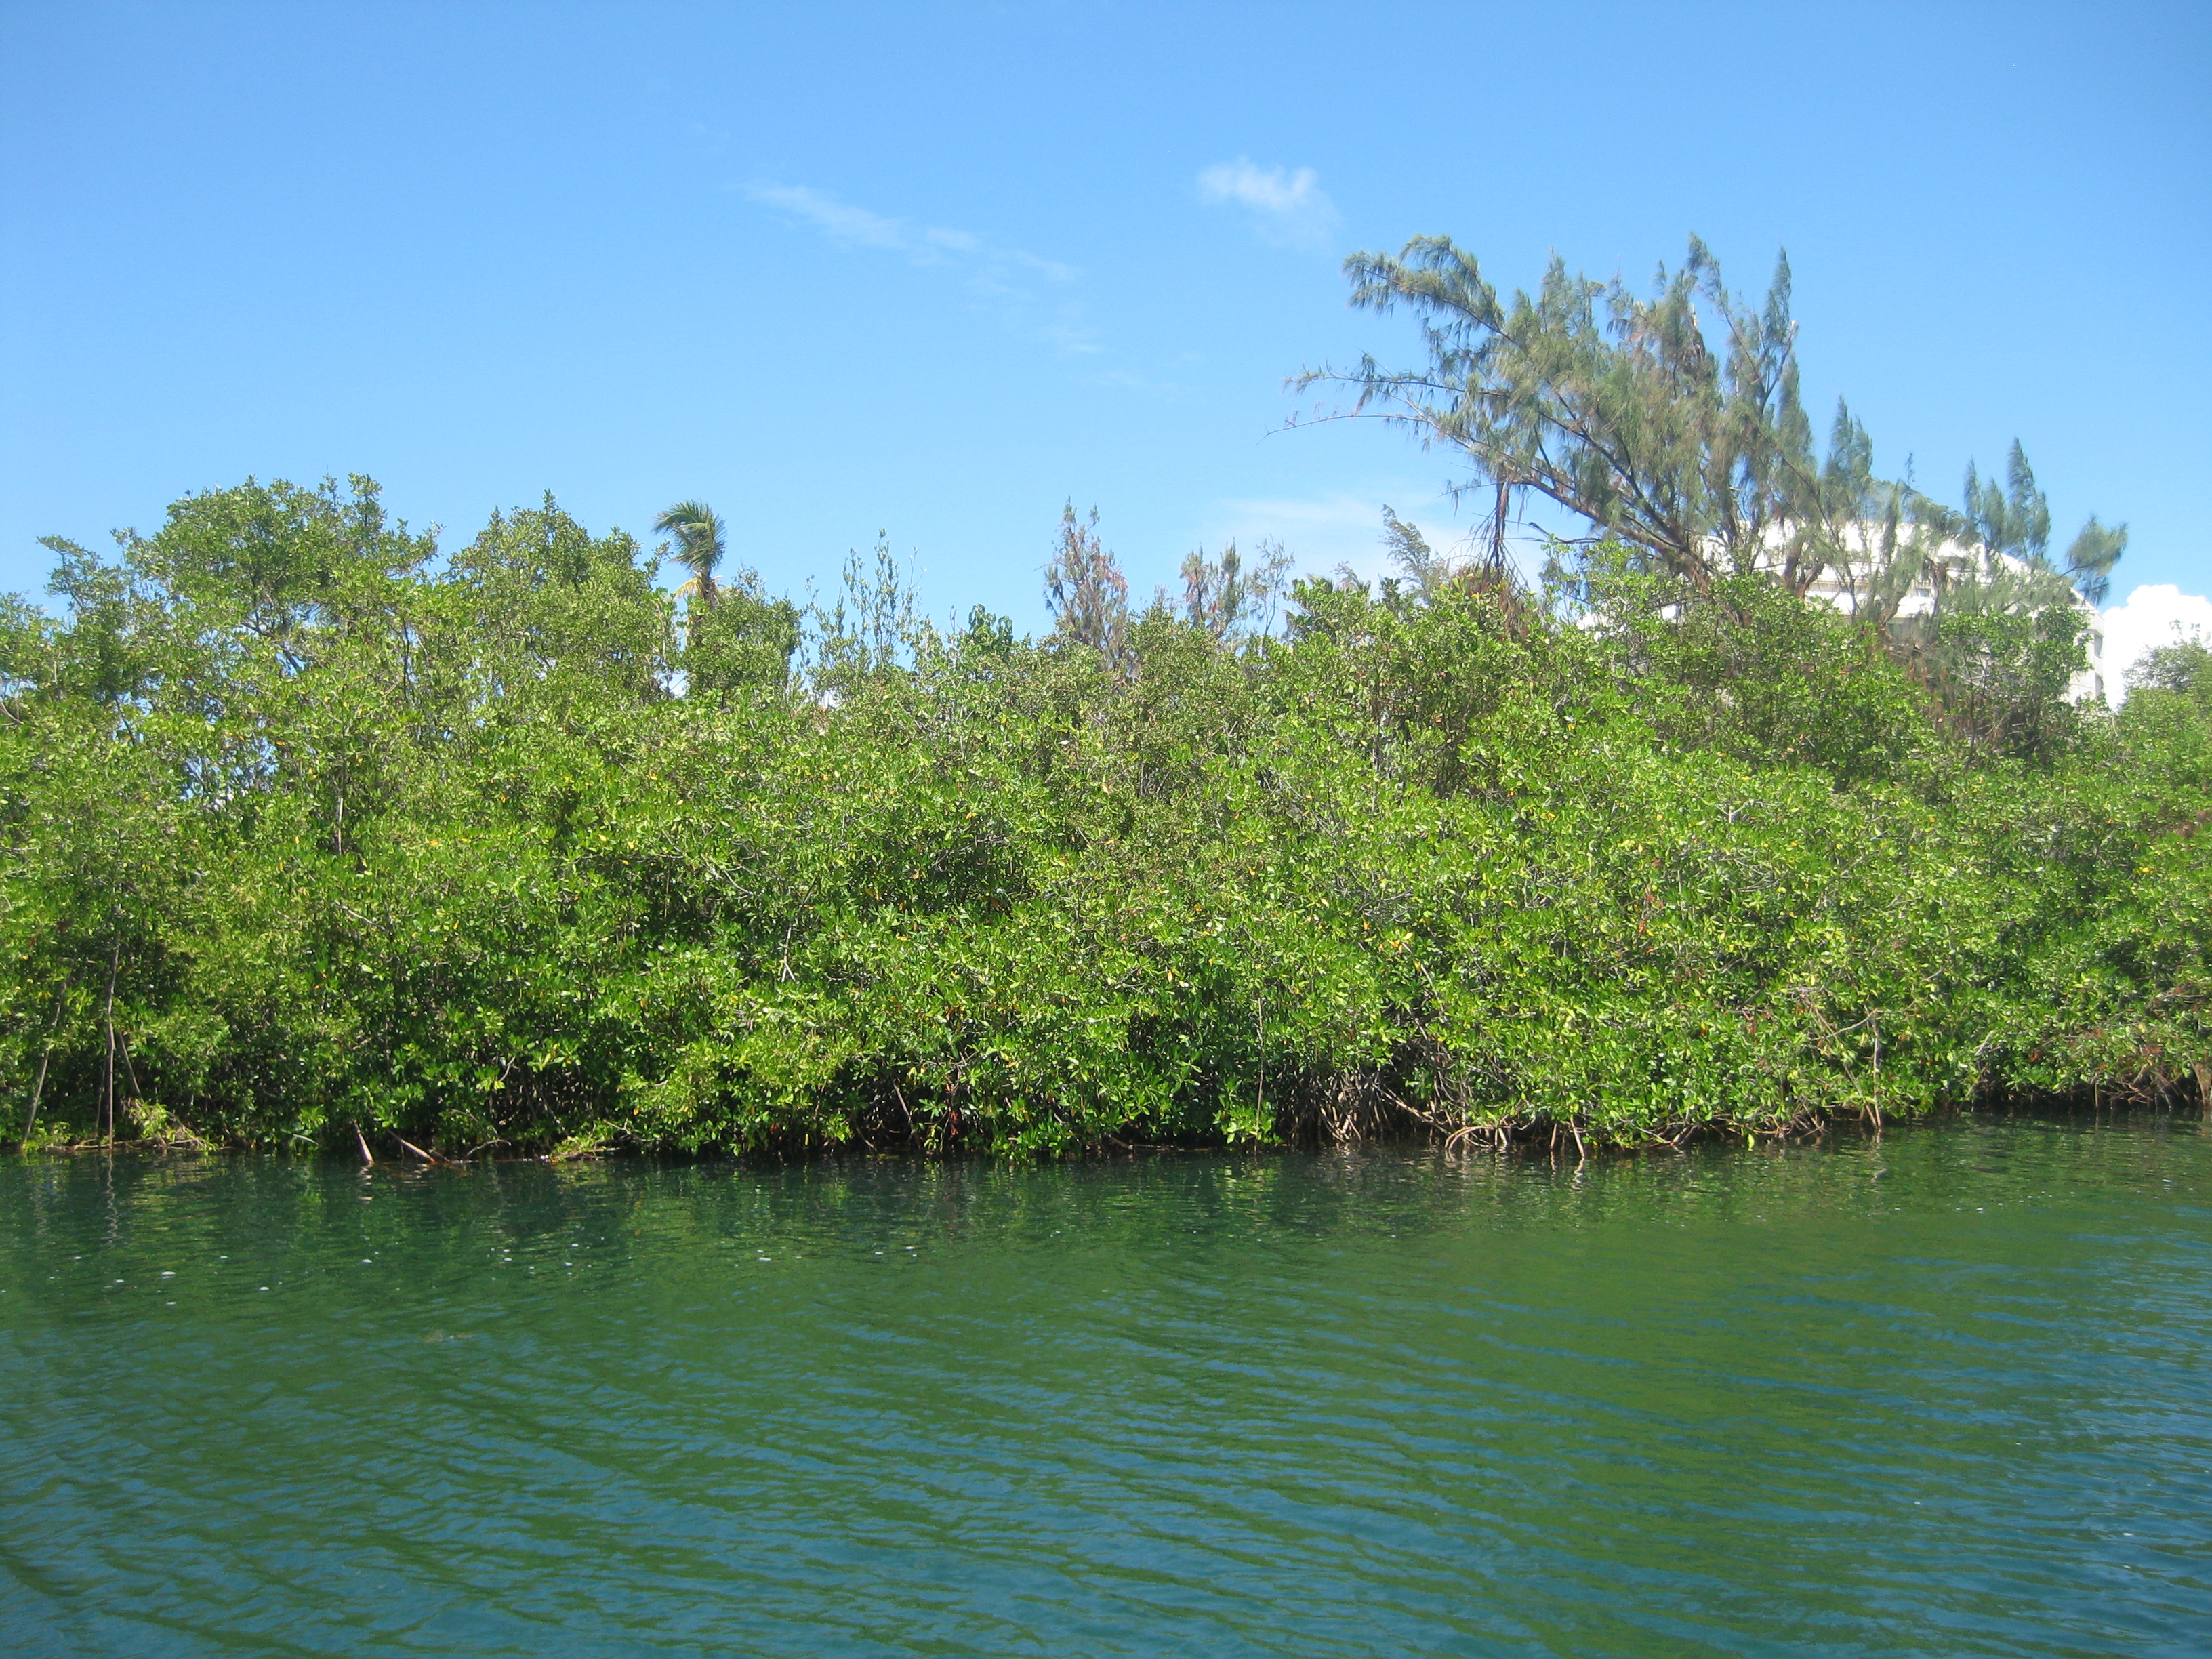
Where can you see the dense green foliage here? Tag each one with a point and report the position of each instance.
(314, 833)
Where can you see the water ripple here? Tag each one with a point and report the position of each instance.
(1938, 1391)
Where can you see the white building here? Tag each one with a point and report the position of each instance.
(1844, 587)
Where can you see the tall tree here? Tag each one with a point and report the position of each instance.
(700, 547)
(1224, 595)
(1410, 551)
(2012, 520)
(1613, 406)
(1086, 590)
(1697, 451)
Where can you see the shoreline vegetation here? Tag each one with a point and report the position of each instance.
(317, 835)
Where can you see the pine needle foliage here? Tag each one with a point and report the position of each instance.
(1674, 423)
(1086, 591)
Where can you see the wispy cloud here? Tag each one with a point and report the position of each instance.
(1004, 280)
(1284, 207)
(1130, 380)
(848, 226)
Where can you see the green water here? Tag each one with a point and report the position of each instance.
(1948, 1393)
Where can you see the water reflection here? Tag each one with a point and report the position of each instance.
(1938, 1390)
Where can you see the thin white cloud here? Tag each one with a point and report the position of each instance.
(2158, 613)
(840, 221)
(1284, 207)
(1001, 279)
(1052, 268)
(1130, 381)
(959, 241)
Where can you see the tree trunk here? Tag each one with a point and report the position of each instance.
(114, 957)
(39, 1083)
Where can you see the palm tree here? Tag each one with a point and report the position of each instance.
(699, 546)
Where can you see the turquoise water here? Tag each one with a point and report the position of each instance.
(1950, 1392)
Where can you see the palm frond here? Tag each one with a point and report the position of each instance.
(699, 545)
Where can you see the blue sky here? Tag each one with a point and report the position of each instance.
(935, 268)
